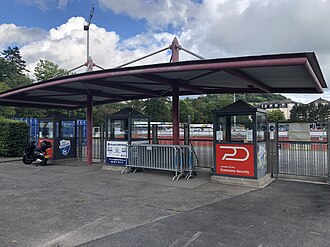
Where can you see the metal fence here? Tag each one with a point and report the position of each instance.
(201, 140)
(302, 151)
(303, 158)
(174, 158)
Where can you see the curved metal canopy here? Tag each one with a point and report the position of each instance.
(279, 73)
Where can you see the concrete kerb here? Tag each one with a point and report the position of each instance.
(9, 159)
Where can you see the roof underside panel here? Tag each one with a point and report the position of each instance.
(282, 73)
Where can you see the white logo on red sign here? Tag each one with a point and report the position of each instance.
(233, 156)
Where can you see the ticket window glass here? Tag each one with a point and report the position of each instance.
(46, 129)
(222, 129)
(241, 128)
(140, 128)
(118, 129)
(261, 127)
(67, 129)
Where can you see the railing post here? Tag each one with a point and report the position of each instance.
(155, 134)
(80, 141)
(186, 133)
(102, 146)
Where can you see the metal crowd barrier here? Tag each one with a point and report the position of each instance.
(178, 159)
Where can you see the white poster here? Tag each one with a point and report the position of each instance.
(116, 149)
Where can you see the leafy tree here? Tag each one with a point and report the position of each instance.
(14, 57)
(137, 105)
(159, 109)
(186, 110)
(5, 69)
(310, 113)
(275, 116)
(6, 111)
(101, 111)
(12, 68)
(204, 105)
(299, 113)
(45, 70)
(17, 80)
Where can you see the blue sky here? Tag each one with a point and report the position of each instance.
(31, 15)
(124, 30)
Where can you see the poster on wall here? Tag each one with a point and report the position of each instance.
(116, 153)
(235, 160)
(262, 156)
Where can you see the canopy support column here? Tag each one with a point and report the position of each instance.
(176, 114)
(175, 96)
(89, 118)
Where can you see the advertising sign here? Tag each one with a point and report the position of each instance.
(235, 159)
(64, 147)
(262, 155)
(116, 153)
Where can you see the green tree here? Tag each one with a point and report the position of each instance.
(14, 57)
(101, 111)
(137, 104)
(275, 116)
(299, 113)
(6, 111)
(159, 109)
(310, 113)
(12, 68)
(45, 70)
(186, 110)
(204, 105)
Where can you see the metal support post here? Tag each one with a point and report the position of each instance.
(154, 134)
(89, 118)
(102, 142)
(175, 97)
(176, 114)
(186, 133)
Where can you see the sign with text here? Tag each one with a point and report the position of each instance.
(116, 153)
(235, 159)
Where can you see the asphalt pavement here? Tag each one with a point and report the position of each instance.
(79, 205)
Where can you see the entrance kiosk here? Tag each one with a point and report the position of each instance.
(123, 128)
(240, 138)
(61, 132)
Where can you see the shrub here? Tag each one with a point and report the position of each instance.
(13, 137)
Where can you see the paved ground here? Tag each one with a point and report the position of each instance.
(79, 205)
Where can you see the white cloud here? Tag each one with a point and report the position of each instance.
(46, 4)
(211, 28)
(66, 45)
(158, 13)
(15, 35)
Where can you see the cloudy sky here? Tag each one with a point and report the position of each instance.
(123, 30)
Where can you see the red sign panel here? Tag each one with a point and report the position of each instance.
(235, 159)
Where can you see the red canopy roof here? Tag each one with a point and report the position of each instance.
(280, 73)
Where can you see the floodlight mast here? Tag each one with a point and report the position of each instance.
(86, 28)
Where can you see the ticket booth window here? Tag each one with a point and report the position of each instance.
(118, 129)
(140, 128)
(46, 129)
(68, 128)
(241, 128)
(261, 127)
(222, 129)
